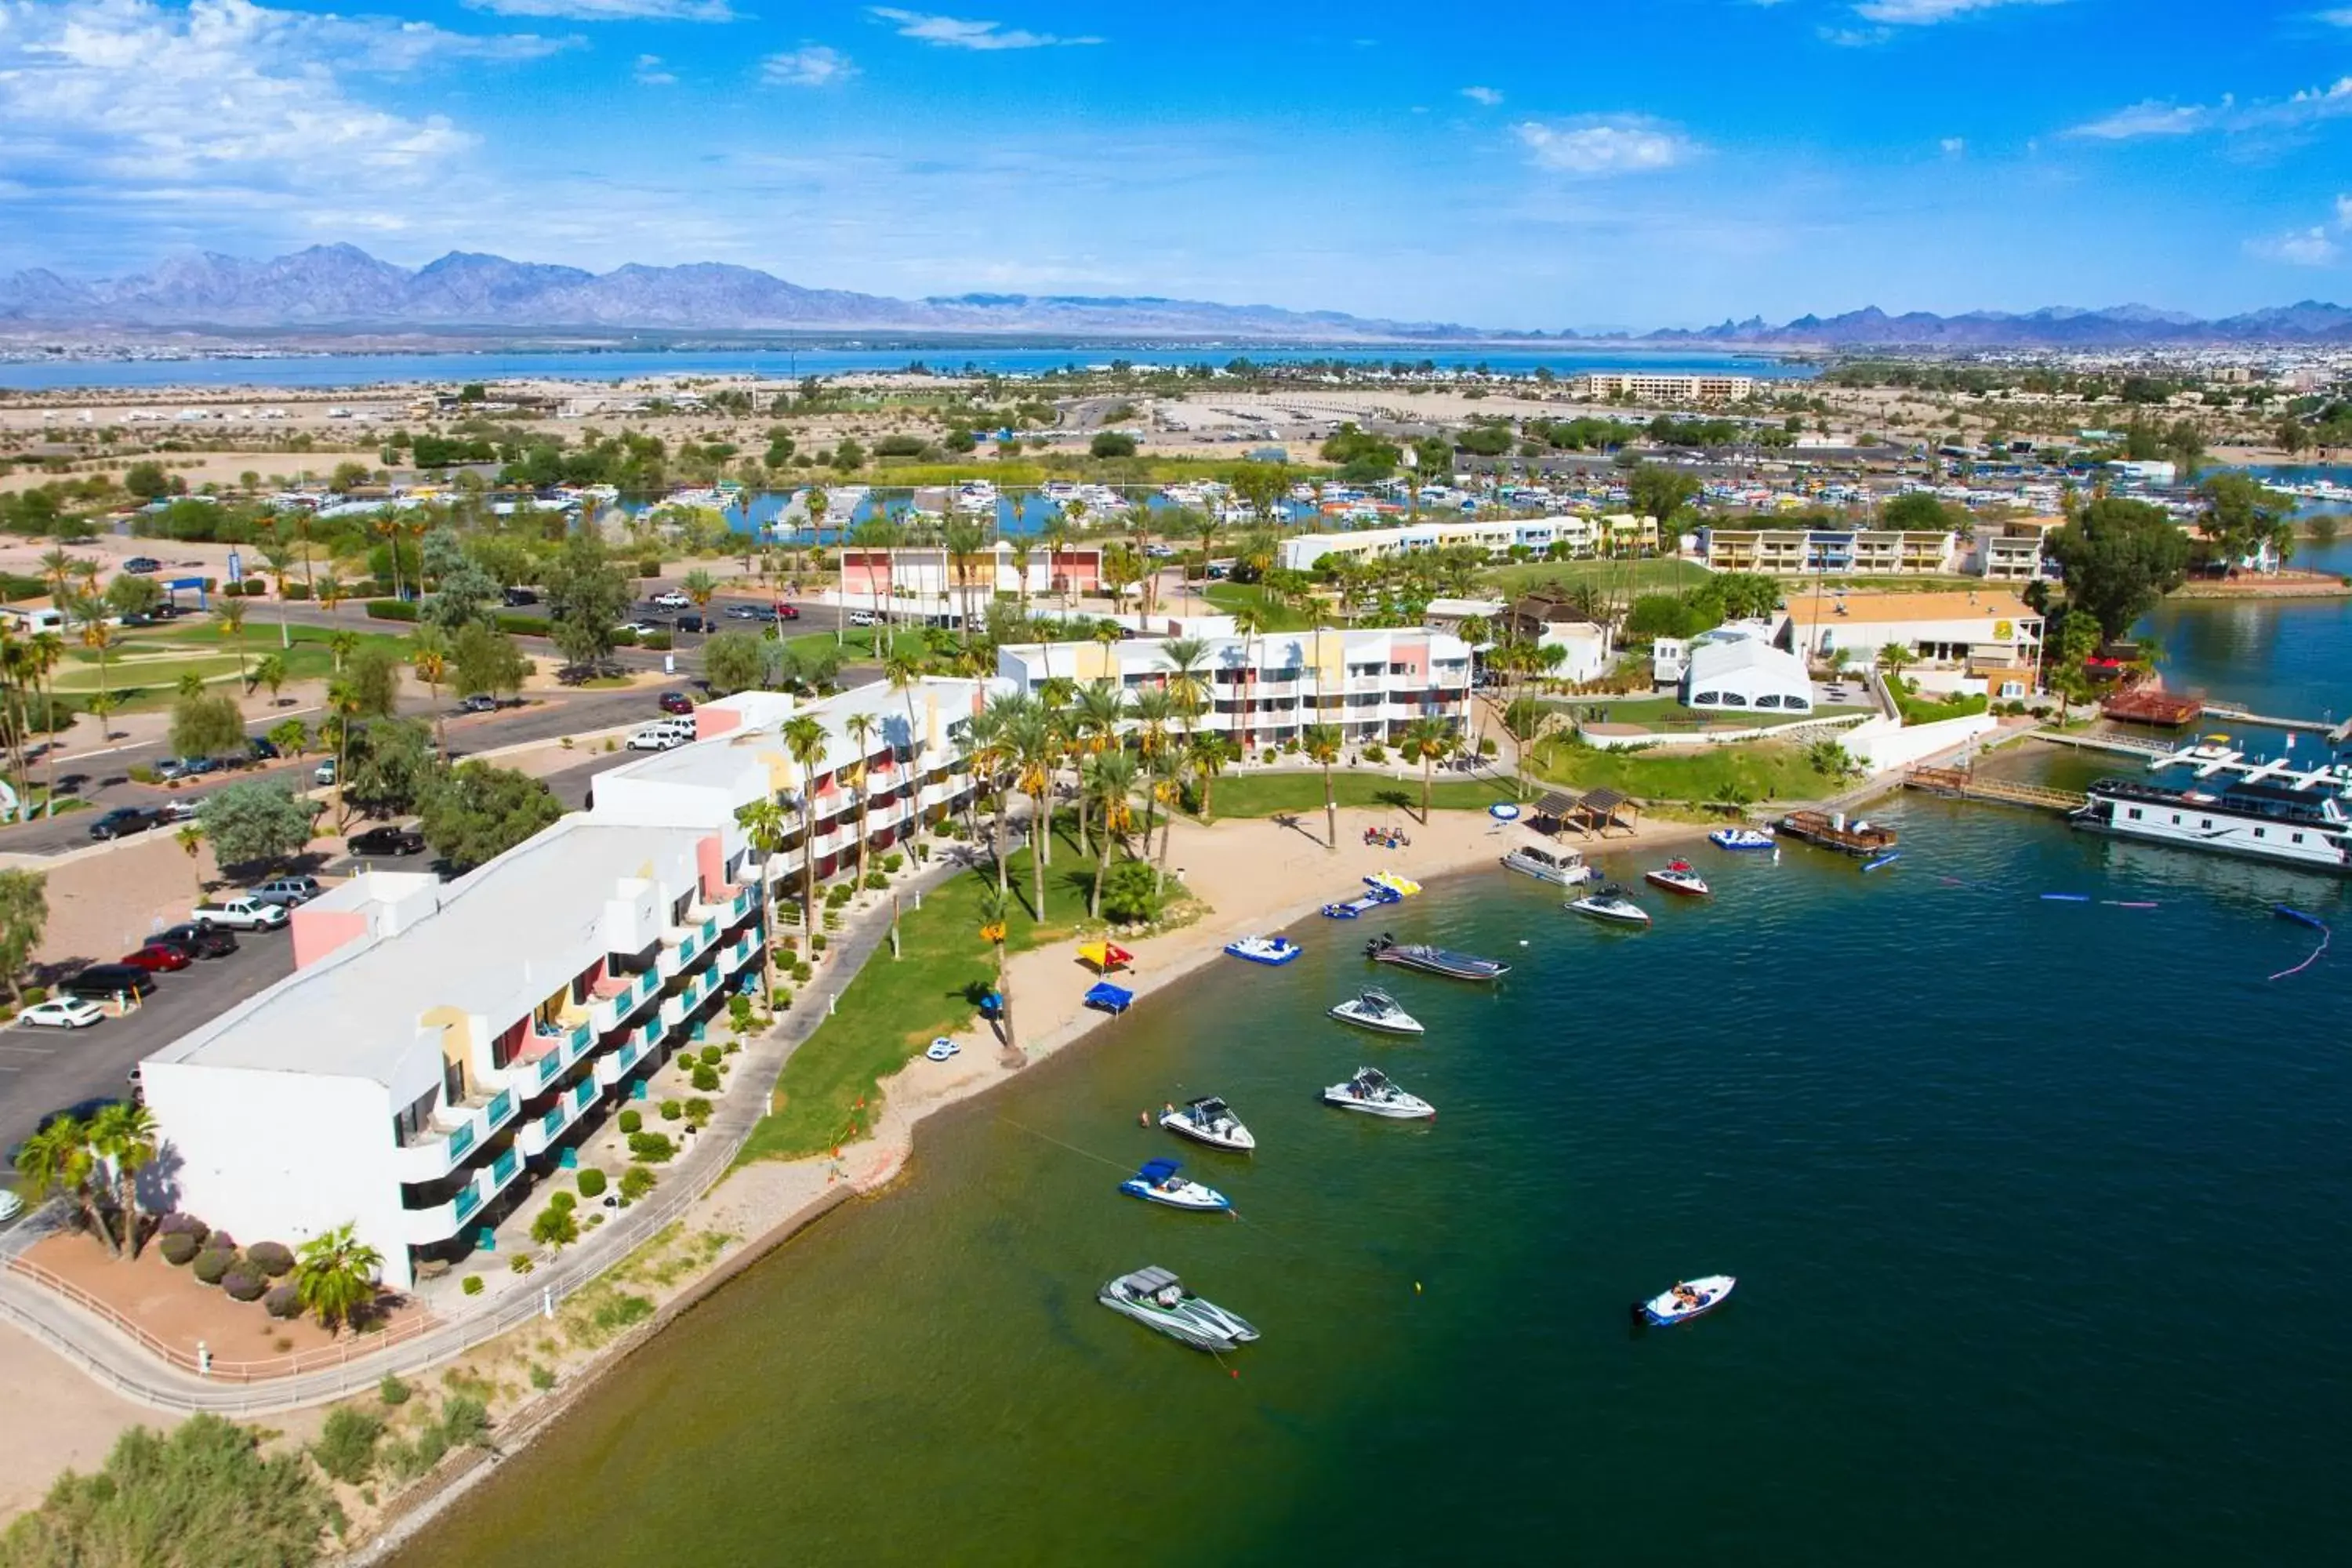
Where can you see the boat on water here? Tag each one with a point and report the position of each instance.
(1371, 897)
(1608, 904)
(1158, 1300)
(1402, 887)
(1830, 830)
(1561, 868)
(1741, 839)
(1209, 1121)
(1386, 949)
(1371, 1092)
(1272, 950)
(1677, 877)
(1689, 1298)
(1377, 1010)
(2232, 805)
(1158, 1183)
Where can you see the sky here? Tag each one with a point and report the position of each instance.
(1510, 164)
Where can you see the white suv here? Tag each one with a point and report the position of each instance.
(662, 736)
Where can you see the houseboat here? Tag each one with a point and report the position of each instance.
(1830, 830)
(1561, 868)
(2232, 805)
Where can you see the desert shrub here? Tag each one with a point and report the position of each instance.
(800, 972)
(346, 1445)
(178, 1250)
(653, 1148)
(637, 1182)
(1129, 892)
(182, 1224)
(284, 1302)
(671, 1110)
(244, 1282)
(819, 942)
(781, 997)
(555, 1226)
(892, 861)
(273, 1258)
(1376, 752)
(631, 1120)
(877, 880)
(541, 1378)
(222, 1240)
(592, 1182)
(211, 1264)
(465, 1419)
(706, 1079)
(697, 1111)
(561, 1199)
(711, 1054)
(203, 1493)
(839, 894)
(472, 1285)
(392, 1390)
(523, 1262)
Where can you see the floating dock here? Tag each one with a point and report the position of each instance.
(1959, 784)
(1833, 830)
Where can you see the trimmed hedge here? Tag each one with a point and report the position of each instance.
(213, 1264)
(525, 626)
(592, 1182)
(272, 1258)
(283, 1301)
(179, 1250)
(631, 1120)
(244, 1283)
(179, 1224)
(391, 610)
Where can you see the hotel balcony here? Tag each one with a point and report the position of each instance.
(681, 945)
(734, 956)
(444, 1220)
(675, 1010)
(547, 1053)
(542, 1133)
(456, 1132)
(612, 1010)
(612, 1068)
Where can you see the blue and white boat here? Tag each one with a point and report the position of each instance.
(1272, 950)
(1740, 839)
(1158, 1183)
(1374, 895)
(1688, 1300)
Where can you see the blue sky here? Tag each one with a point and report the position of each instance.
(1650, 163)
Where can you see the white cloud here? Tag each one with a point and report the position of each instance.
(2298, 248)
(2228, 116)
(2147, 118)
(1606, 145)
(613, 10)
(1954, 146)
(2337, 18)
(652, 73)
(955, 33)
(1925, 13)
(2343, 212)
(811, 65)
(1486, 95)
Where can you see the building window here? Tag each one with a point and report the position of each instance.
(2133, 814)
(2176, 819)
(2206, 822)
(2298, 839)
(2259, 833)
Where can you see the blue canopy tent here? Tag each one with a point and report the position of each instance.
(1110, 998)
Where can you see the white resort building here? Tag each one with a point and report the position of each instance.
(441, 1047)
(1618, 532)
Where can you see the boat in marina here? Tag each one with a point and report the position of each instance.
(1830, 830)
(1158, 1183)
(1689, 1298)
(1371, 1092)
(1155, 1298)
(1741, 839)
(1386, 949)
(1377, 1010)
(1608, 904)
(1373, 896)
(1209, 1121)
(2233, 805)
(1271, 950)
(1561, 868)
(1677, 877)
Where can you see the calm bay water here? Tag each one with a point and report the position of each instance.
(2033, 1206)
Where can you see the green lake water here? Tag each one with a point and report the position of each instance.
(2034, 1205)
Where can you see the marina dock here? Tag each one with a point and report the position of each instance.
(1961, 784)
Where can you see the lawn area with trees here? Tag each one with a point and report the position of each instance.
(1716, 775)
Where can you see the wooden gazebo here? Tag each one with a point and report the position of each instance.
(1593, 812)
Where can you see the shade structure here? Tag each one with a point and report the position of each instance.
(1105, 956)
(1110, 998)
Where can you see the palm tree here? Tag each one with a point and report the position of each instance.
(97, 633)
(1206, 526)
(902, 671)
(1054, 698)
(1188, 687)
(1035, 753)
(335, 1276)
(1322, 745)
(342, 710)
(1525, 719)
(1094, 726)
(388, 527)
(1155, 710)
(58, 1162)
(191, 841)
(804, 742)
(270, 672)
(339, 648)
(47, 652)
(1425, 740)
(122, 1136)
(1057, 535)
(701, 586)
(964, 541)
(763, 822)
(232, 624)
(1249, 619)
(1110, 781)
(302, 546)
(994, 909)
(1164, 785)
(860, 728)
(984, 745)
(428, 652)
(1206, 756)
(329, 590)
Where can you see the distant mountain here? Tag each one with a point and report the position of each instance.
(340, 288)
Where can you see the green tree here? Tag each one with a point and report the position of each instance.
(555, 1227)
(805, 741)
(58, 1162)
(122, 1136)
(391, 767)
(146, 481)
(206, 725)
(270, 672)
(1654, 490)
(24, 921)
(1109, 783)
(2079, 637)
(133, 596)
(586, 597)
(1322, 743)
(2120, 557)
(255, 822)
(1425, 740)
(486, 661)
(290, 736)
(374, 678)
(479, 812)
(335, 1276)
(734, 661)
(1916, 511)
(202, 1497)
(1112, 444)
(2241, 516)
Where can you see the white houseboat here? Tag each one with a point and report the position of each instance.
(2228, 803)
(1561, 868)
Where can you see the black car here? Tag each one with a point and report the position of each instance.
(385, 840)
(692, 624)
(197, 941)
(518, 597)
(104, 982)
(261, 749)
(143, 566)
(125, 819)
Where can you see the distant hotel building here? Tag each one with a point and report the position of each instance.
(1646, 386)
(929, 572)
(1834, 552)
(1497, 538)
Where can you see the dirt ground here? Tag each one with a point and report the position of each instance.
(59, 1420)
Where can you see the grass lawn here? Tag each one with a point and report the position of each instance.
(1665, 714)
(858, 644)
(1267, 795)
(1645, 576)
(1227, 597)
(1763, 769)
(143, 669)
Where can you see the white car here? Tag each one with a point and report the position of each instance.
(324, 774)
(63, 1012)
(672, 600)
(861, 617)
(241, 914)
(11, 1205)
(659, 738)
(638, 628)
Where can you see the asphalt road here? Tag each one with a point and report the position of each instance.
(43, 1070)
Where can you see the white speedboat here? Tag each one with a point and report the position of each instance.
(1371, 1092)
(1608, 903)
(1686, 1300)
(1158, 1183)
(941, 1049)
(1377, 1010)
(1677, 877)
(1209, 1120)
(1272, 950)
(1561, 868)
(1157, 1299)
(1741, 839)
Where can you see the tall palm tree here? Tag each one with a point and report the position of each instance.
(994, 909)
(763, 822)
(191, 841)
(428, 655)
(1206, 756)
(58, 1162)
(1163, 779)
(804, 742)
(1425, 740)
(1188, 687)
(964, 543)
(122, 1136)
(1155, 713)
(231, 614)
(1322, 745)
(1206, 526)
(48, 651)
(1250, 620)
(335, 1276)
(860, 727)
(96, 634)
(388, 529)
(902, 671)
(1110, 780)
(330, 591)
(343, 711)
(1094, 726)
(1035, 753)
(1054, 698)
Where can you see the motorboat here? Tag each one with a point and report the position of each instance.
(1742, 838)
(1386, 949)
(1677, 877)
(1158, 1300)
(941, 1049)
(1158, 1183)
(1371, 1092)
(1371, 897)
(1608, 903)
(1377, 1010)
(1402, 887)
(1688, 1300)
(1561, 868)
(1209, 1121)
(1272, 951)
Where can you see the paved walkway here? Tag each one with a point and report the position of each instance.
(114, 1360)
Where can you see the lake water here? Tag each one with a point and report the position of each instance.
(2033, 1206)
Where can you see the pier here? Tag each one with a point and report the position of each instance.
(1961, 784)
(2336, 734)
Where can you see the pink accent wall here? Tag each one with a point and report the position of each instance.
(318, 932)
(866, 571)
(711, 861)
(710, 721)
(1414, 656)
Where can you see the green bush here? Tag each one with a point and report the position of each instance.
(706, 1079)
(391, 610)
(660, 642)
(1128, 893)
(631, 1120)
(346, 1445)
(653, 1148)
(244, 1283)
(592, 1182)
(637, 1182)
(781, 996)
(623, 637)
(181, 1223)
(892, 861)
(671, 1110)
(472, 1285)
(1376, 752)
(465, 1419)
(202, 1494)
(561, 1199)
(296, 591)
(697, 1111)
(711, 1054)
(391, 1391)
(838, 895)
(213, 1264)
(877, 881)
(522, 625)
(178, 1250)
(649, 566)
(541, 1378)
(819, 942)
(36, 993)
(283, 1303)
(272, 1258)
(800, 972)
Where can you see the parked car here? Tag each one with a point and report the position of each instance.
(261, 749)
(676, 703)
(518, 597)
(672, 600)
(187, 808)
(61, 1013)
(787, 612)
(660, 737)
(197, 941)
(639, 628)
(143, 566)
(744, 612)
(479, 703)
(324, 774)
(125, 819)
(692, 624)
(385, 840)
(861, 617)
(105, 982)
(287, 891)
(188, 768)
(157, 957)
(242, 913)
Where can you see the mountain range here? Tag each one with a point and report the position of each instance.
(333, 289)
